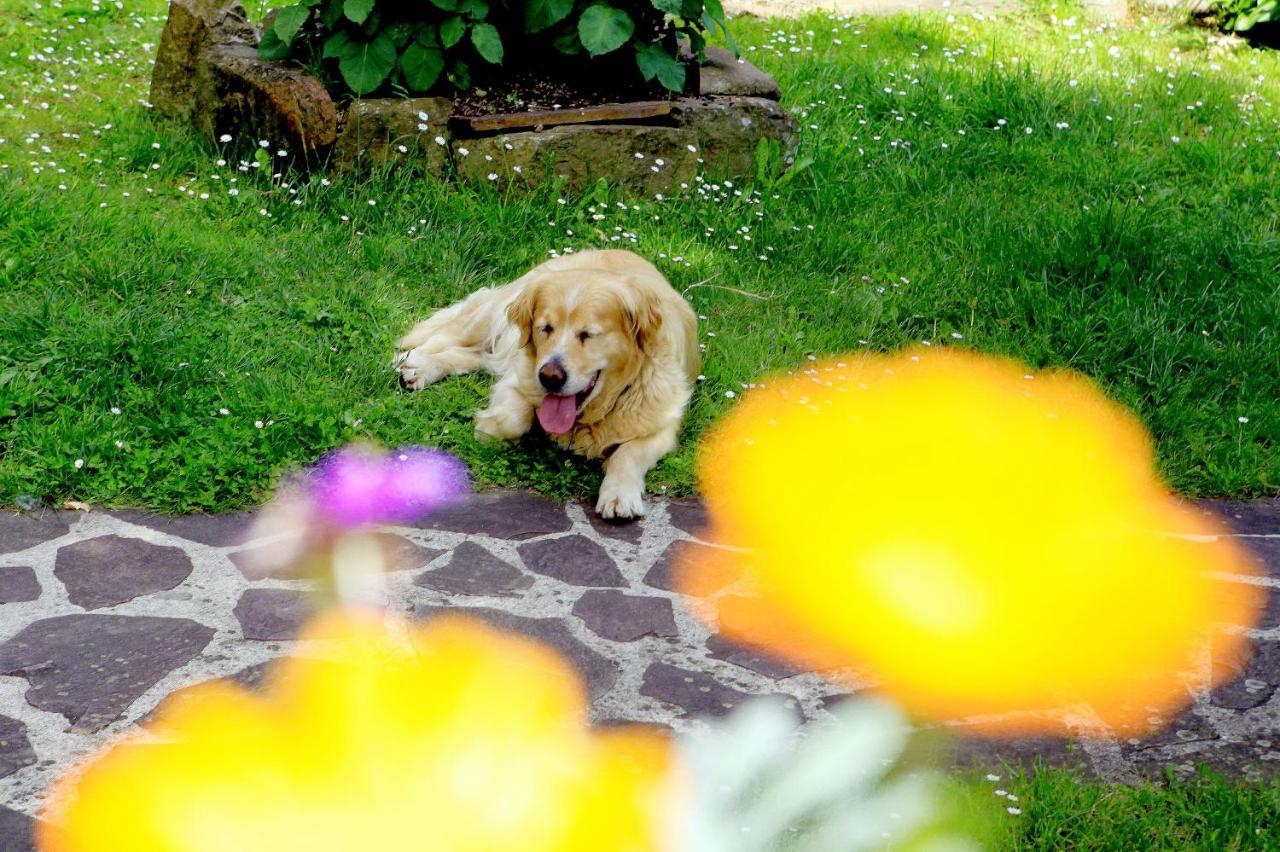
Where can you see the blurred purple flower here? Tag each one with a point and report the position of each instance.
(353, 487)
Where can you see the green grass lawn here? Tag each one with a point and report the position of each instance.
(1059, 810)
(175, 331)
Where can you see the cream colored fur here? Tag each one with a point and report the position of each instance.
(641, 345)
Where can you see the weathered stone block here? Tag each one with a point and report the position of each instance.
(207, 69)
(725, 75)
(729, 129)
(276, 101)
(648, 159)
(374, 132)
(193, 27)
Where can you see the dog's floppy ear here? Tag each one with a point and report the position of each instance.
(643, 319)
(520, 313)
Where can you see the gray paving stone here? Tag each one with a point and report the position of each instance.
(688, 514)
(662, 574)
(1256, 517)
(1268, 552)
(91, 667)
(512, 515)
(696, 693)
(472, 570)
(997, 753)
(15, 748)
(18, 583)
(20, 531)
(721, 648)
(252, 678)
(599, 672)
(1187, 727)
(17, 831)
(1256, 683)
(573, 559)
(399, 553)
(110, 569)
(272, 614)
(625, 618)
(405, 555)
(214, 530)
(629, 531)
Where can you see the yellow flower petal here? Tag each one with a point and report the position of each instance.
(449, 736)
(978, 538)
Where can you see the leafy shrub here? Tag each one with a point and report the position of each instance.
(432, 45)
(1244, 15)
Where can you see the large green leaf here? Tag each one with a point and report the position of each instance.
(288, 21)
(568, 42)
(540, 14)
(477, 10)
(367, 64)
(357, 10)
(422, 66)
(452, 30)
(671, 7)
(653, 62)
(713, 19)
(603, 29)
(331, 13)
(339, 45)
(400, 34)
(487, 42)
(460, 75)
(271, 47)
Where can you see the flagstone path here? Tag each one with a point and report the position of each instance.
(103, 614)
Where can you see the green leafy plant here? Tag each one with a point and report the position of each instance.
(369, 45)
(1243, 15)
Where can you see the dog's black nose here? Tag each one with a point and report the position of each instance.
(552, 376)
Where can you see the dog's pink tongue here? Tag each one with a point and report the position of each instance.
(557, 413)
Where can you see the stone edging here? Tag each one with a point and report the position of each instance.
(207, 71)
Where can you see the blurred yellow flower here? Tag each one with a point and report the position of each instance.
(449, 736)
(976, 538)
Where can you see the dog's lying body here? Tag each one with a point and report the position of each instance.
(596, 344)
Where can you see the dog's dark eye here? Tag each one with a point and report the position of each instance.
(546, 329)
(583, 335)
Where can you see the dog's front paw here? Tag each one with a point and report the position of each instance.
(620, 503)
(416, 370)
(493, 427)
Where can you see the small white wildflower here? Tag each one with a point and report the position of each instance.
(463, 151)
(1175, 139)
(730, 394)
(1014, 811)
(226, 137)
(115, 409)
(79, 463)
(440, 141)
(493, 175)
(224, 412)
(1242, 419)
(258, 424)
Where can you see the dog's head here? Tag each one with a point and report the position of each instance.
(588, 331)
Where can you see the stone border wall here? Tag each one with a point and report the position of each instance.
(207, 71)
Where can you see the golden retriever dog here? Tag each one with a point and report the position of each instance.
(596, 344)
